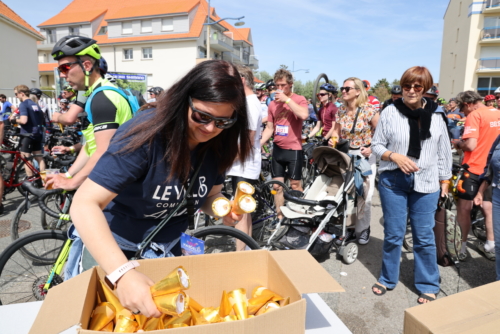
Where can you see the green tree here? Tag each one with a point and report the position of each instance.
(298, 87)
(263, 75)
(382, 93)
(138, 86)
(381, 83)
(395, 82)
(284, 67)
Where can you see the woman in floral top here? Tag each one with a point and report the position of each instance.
(356, 102)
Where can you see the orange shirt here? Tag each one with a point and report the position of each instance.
(484, 125)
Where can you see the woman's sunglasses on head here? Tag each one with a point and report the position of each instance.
(416, 88)
(202, 117)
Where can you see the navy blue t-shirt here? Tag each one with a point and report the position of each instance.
(144, 195)
(35, 118)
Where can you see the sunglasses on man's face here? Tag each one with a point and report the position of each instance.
(322, 94)
(347, 89)
(64, 68)
(202, 117)
(416, 88)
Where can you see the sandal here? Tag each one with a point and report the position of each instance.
(382, 289)
(425, 297)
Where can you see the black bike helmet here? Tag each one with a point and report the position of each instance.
(156, 90)
(103, 66)
(270, 83)
(396, 89)
(433, 91)
(37, 92)
(76, 46)
(329, 88)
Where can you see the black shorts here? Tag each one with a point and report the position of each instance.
(29, 144)
(471, 187)
(236, 179)
(289, 161)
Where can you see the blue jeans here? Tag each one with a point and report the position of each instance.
(496, 228)
(398, 198)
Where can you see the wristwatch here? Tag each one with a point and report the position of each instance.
(120, 271)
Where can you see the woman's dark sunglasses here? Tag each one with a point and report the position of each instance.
(202, 117)
(64, 68)
(416, 88)
(347, 89)
(322, 94)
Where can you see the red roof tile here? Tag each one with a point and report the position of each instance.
(10, 14)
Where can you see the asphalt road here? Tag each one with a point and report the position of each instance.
(358, 307)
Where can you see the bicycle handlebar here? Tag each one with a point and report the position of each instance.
(42, 194)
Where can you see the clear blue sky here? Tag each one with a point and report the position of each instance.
(370, 39)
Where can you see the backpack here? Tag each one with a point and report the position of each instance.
(448, 235)
(127, 94)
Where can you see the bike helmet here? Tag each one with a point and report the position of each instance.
(433, 91)
(110, 78)
(329, 88)
(68, 88)
(37, 92)
(76, 46)
(103, 66)
(260, 86)
(497, 91)
(441, 101)
(489, 98)
(155, 90)
(366, 83)
(396, 90)
(270, 83)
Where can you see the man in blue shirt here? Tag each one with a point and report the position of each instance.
(6, 109)
(31, 121)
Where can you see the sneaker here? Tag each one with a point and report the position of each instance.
(350, 236)
(489, 255)
(364, 237)
(463, 256)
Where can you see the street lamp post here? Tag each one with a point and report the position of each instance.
(208, 24)
(294, 70)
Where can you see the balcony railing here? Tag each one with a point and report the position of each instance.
(490, 33)
(53, 38)
(245, 57)
(488, 64)
(492, 3)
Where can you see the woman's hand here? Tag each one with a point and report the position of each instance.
(134, 292)
(231, 219)
(404, 163)
(366, 151)
(444, 189)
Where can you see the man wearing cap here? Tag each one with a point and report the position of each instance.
(395, 94)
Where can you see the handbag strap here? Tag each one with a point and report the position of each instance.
(187, 201)
(355, 120)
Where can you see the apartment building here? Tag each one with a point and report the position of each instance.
(162, 39)
(470, 58)
(19, 51)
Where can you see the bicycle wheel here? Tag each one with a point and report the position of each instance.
(477, 223)
(21, 278)
(220, 239)
(57, 203)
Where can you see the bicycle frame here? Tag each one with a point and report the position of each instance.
(17, 156)
(59, 264)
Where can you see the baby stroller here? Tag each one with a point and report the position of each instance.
(318, 221)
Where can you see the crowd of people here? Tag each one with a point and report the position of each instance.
(132, 170)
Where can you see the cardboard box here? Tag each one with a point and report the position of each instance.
(472, 311)
(288, 273)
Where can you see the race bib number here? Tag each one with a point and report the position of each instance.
(282, 130)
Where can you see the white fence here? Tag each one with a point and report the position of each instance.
(51, 103)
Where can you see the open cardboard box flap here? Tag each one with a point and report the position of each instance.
(300, 274)
(472, 311)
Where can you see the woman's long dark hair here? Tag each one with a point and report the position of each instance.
(210, 81)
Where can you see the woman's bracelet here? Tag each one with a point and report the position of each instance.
(389, 157)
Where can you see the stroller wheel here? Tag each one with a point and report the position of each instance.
(350, 253)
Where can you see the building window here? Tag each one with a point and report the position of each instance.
(51, 36)
(167, 24)
(146, 26)
(74, 30)
(103, 31)
(127, 28)
(487, 85)
(128, 54)
(147, 53)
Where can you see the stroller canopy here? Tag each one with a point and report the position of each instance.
(331, 162)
